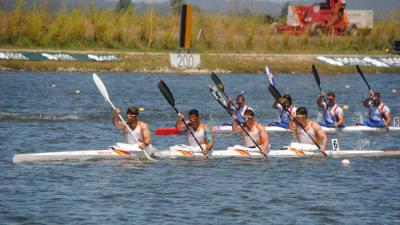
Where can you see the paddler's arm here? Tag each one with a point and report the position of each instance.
(387, 118)
(180, 125)
(264, 139)
(116, 122)
(235, 126)
(275, 105)
(367, 101)
(321, 135)
(320, 100)
(209, 138)
(146, 136)
(340, 121)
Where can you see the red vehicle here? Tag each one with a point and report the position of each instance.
(326, 17)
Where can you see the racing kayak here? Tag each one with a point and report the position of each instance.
(228, 129)
(126, 151)
(118, 151)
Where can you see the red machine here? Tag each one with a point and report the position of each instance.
(326, 17)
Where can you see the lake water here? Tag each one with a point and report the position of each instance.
(41, 112)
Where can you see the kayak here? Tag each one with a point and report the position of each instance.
(228, 129)
(132, 152)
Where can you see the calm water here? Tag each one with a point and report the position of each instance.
(36, 117)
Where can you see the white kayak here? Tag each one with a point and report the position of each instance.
(227, 129)
(126, 151)
(118, 151)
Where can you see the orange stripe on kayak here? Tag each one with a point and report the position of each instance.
(243, 152)
(185, 152)
(298, 152)
(121, 152)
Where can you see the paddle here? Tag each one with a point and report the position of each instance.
(270, 76)
(220, 99)
(318, 81)
(275, 93)
(170, 99)
(102, 88)
(363, 77)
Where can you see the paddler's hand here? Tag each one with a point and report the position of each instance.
(323, 148)
(234, 117)
(181, 116)
(142, 145)
(117, 111)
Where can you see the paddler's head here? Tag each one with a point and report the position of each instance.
(288, 101)
(132, 113)
(240, 101)
(331, 98)
(376, 99)
(249, 115)
(194, 116)
(301, 114)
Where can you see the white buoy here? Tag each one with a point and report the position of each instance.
(77, 91)
(53, 85)
(345, 162)
(394, 91)
(242, 92)
(347, 86)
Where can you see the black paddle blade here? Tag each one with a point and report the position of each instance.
(316, 76)
(217, 81)
(166, 92)
(218, 97)
(274, 92)
(363, 77)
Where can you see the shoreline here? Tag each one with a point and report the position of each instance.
(158, 62)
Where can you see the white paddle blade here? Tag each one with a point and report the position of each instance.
(270, 76)
(100, 85)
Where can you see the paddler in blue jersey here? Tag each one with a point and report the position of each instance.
(379, 113)
(201, 131)
(333, 114)
(140, 130)
(284, 116)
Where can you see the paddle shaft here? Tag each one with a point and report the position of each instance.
(365, 79)
(318, 81)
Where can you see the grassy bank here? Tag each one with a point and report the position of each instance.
(226, 63)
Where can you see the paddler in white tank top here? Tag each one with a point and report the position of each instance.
(333, 114)
(201, 131)
(312, 128)
(379, 113)
(139, 128)
(255, 129)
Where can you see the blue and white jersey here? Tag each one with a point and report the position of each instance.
(376, 113)
(332, 113)
(284, 115)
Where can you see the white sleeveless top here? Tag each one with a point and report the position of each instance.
(304, 137)
(199, 134)
(135, 135)
(254, 134)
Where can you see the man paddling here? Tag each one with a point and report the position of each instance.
(202, 133)
(333, 114)
(140, 130)
(255, 129)
(379, 113)
(239, 110)
(284, 115)
(306, 131)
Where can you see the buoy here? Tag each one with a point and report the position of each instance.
(77, 91)
(347, 86)
(141, 109)
(345, 107)
(53, 85)
(345, 162)
(394, 91)
(242, 92)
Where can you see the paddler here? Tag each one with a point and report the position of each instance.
(379, 113)
(333, 114)
(201, 131)
(140, 130)
(239, 109)
(312, 132)
(255, 129)
(284, 115)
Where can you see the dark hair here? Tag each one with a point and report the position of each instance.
(249, 112)
(377, 94)
(302, 111)
(194, 112)
(240, 96)
(331, 93)
(289, 98)
(132, 110)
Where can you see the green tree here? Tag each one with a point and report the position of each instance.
(124, 5)
(175, 6)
